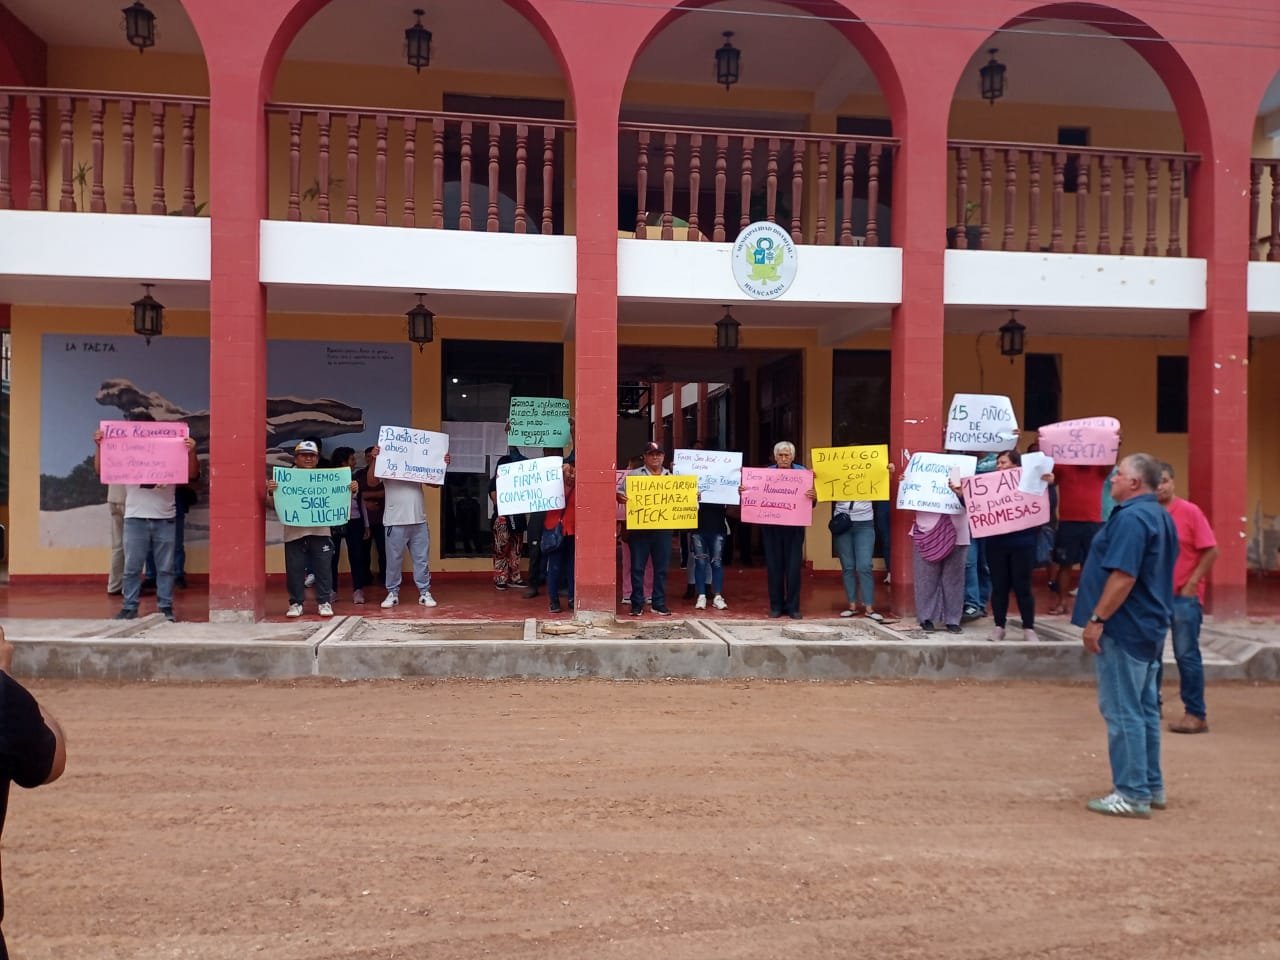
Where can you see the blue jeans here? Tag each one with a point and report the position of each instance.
(854, 548)
(1127, 702)
(646, 546)
(977, 576)
(142, 536)
(179, 545)
(1187, 617)
(417, 538)
(707, 561)
(560, 570)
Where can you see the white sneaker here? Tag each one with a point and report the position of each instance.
(325, 610)
(427, 600)
(310, 579)
(997, 634)
(701, 602)
(887, 581)
(1030, 636)
(391, 601)
(718, 602)
(295, 610)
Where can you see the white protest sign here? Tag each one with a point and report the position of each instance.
(408, 454)
(1034, 467)
(719, 473)
(926, 482)
(530, 486)
(981, 421)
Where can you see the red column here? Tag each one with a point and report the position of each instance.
(596, 330)
(919, 226)
(1218, 348)
(23, 57)
(237, 343)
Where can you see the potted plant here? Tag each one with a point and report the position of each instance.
(972, 231)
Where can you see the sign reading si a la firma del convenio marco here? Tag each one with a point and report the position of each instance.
(764, 261)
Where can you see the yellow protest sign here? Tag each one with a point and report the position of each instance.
(851, 473)
(662, 503)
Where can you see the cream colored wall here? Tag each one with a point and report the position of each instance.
(27, 556)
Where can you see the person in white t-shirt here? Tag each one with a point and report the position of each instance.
(405, 520)
(150, 512)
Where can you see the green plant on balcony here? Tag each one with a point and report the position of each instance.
(81, 179)
(312, 193)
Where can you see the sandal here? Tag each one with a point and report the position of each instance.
(847, 613)
(877, 617)
(1057, 611)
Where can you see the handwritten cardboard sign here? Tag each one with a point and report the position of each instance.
(994, 504)
(530, 486)
(312, 498)
(539, 422)
(408, 454)
(777, 497)
(851, 473)
(981, 421)
(143, 451)
(926, 483)
(718, 471)
(662, 503)
(1091, 441)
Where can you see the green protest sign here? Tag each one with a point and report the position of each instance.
(539, 422)
(312, 498)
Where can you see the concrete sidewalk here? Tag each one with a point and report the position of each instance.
(353, 648)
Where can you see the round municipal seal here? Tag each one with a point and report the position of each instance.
(764, 261)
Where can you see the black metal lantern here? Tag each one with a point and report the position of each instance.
(727, 332)
(1012, 337)
(728, 59)
(139, 26)
(148, 315)
(421, 324)
(417, 44)
(992, 79)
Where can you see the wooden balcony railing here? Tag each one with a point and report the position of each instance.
(1264, 176)
(75, 126)
(824, 188)
(1002, 191)
(477, 168)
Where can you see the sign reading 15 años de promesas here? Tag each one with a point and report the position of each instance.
(764, 261)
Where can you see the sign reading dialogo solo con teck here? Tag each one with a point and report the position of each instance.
(764, 261)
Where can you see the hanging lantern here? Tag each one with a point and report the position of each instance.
(1012, 337)
(727, 332)
(993, 85)
(417, 44)
(139, 26)
(148, 315)
(421, 320)
(728, 59)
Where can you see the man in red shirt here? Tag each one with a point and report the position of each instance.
(1197, 550)
(1079, 519)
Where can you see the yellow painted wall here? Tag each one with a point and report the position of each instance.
(27, 556)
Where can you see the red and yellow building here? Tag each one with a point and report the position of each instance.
(563, 181)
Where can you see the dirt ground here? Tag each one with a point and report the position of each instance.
(593, 820)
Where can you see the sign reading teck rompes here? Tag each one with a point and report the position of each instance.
(764, 261)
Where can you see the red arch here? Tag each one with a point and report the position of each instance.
(301, 11)
(859, 34)
(1152, 46)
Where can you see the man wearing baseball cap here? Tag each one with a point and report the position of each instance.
(652, 546)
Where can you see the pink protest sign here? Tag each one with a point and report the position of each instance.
(142, 451)
(994, 504)
(1093, 440)
(778, 497)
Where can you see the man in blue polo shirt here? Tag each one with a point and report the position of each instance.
(1125, 605)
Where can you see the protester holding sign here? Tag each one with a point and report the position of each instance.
(1079, 519)
(557, 534)
(405, 520)
(308, 507)
(1012, 556)
(355, 532)
(939, 540)
(150, 510)
(648, 547)
(507, 530)
(784, 544)
(853, 535)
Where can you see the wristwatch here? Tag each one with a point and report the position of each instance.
(1096, 619)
